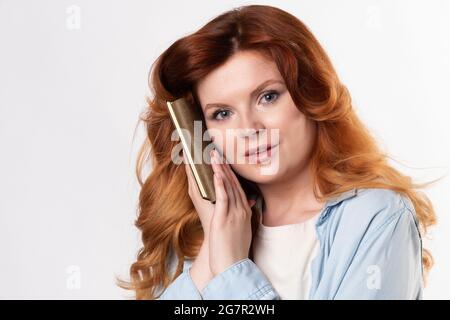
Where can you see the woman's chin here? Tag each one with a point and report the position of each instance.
(260, 172)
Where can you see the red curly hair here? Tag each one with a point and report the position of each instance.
(346, 155)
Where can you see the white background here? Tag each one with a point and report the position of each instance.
(70, 101)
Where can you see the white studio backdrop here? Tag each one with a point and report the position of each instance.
(73, 80)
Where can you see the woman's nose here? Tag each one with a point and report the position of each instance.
(249, 126)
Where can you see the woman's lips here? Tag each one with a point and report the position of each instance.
(261, 153)
(256, 150)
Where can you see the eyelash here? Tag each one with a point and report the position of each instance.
(217, 112)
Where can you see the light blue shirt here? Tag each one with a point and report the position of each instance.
(370, 248)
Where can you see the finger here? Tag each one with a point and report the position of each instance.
(245, 200)
(245, 203)
(221, 206)
(218, 169)
(226, 180)
(240, 194)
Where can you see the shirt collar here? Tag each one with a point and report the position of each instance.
(343, 196)
(333, 201)
(330, 202)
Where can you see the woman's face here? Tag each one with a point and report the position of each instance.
(246, 104)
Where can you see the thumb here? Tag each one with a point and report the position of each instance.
(251, 202)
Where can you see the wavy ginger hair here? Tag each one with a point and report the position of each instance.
(345, 156)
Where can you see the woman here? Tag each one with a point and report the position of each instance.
(333, 221)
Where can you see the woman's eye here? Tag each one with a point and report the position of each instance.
(270, 96)
(219, 113)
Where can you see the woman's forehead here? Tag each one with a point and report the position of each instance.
(238, 77)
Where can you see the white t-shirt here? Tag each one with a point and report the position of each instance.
(284, 254)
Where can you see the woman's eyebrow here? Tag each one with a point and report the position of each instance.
(252, 94)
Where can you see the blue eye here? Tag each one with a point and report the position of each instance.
(219, 112)
(274, 94)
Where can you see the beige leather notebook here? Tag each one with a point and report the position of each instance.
(183, 116)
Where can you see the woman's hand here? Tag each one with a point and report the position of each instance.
(200, 271)
(230, 231)
(233, 250)
(204, 208)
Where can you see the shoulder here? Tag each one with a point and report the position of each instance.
(371, 247)
(370, 209)
(378, 205)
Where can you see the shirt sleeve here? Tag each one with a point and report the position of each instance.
(182, 288)
(243, 280)
(388, 262)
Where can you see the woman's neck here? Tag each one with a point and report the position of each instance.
(290, 201)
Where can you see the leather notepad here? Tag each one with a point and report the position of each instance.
(184, 116)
